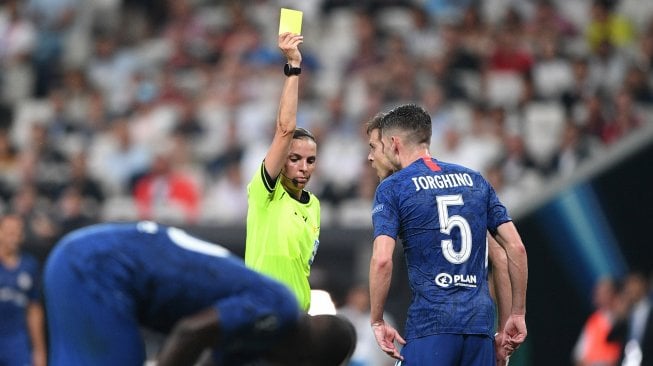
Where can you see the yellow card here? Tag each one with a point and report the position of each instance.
(290, 21)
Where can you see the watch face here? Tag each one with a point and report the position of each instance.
(288, 70)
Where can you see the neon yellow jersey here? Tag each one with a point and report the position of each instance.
(282, 234)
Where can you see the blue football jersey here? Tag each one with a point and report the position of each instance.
(19, 286)
(146, 274)
(441, 213)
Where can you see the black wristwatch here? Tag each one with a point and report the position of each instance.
(289, 70)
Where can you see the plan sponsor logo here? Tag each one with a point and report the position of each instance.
(445, 280)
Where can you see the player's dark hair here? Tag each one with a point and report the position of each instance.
(374, 123)
(409, 118)
(302, 133)
(332, 340)
(319, 340)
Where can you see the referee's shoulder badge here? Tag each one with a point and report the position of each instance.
(377, 208)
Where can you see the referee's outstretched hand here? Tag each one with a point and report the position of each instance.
(289, 45)
(386, 336)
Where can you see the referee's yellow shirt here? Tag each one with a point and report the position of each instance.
(282, 235)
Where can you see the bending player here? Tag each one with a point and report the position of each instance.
(104, 282)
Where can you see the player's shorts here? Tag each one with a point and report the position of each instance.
(449, 350)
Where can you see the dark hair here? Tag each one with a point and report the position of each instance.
(332, 340)
(374, 123)
(301, 133)
(412, 119)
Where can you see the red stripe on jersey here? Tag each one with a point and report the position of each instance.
(431, 164)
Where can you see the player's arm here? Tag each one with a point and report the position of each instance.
(501, 292)
(36, 329)
(500, 281)
(287, 113)
(508, 237)
(379, 281)
(188, 339)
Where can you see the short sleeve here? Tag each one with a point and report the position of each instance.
(385, 215)
(497, 213)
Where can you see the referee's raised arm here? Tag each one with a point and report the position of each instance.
(287, 114)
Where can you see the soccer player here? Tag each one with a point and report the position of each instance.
(283, 219)
(500, 280)
(442, 213)
(104, 282)
(22, 328)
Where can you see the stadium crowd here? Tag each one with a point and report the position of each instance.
(162, 109)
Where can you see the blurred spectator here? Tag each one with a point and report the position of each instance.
(340, 164)
(594, 117)
(42, 161)
(73, 212)
(186, 32)
(225, 201)
(519, 168)
(607, 27)
(625, 120)
(638, 85)
(552, 72)
(644, 53)
(87, 186)
(607, 68)
(547, 21)
(509, 194)
(166, 193)
(475, 32)
(593, 347)
(424, 41)
(634, 326)
(22, 327)
(442, 118)
(581, 88)
(510, 54)
(116, 160)
(188, 123)
(41, 230)
(79, 100)
(574, 150)
(111, 69)
(149, 120)
(9, 161)
(481, 145)
(54, 20)
(18, 40)
(460, 60)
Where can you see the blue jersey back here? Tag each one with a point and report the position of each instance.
(442, 212)
(158, 273)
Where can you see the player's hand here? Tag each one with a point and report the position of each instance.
(289, 45)
(386, 336)
(514, 333)
(39, 358)
(500, 352)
